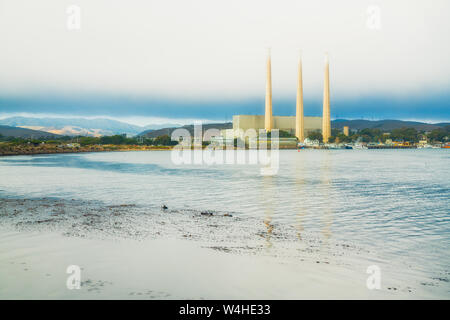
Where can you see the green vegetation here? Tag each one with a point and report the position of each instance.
(440, 135)
(315, 135)
(121, 142)
(281, 134)
(405, 134)
(369, 135)
(15, 146)
(410, 135)
(377, 136)
(163, 140)
(63, 139)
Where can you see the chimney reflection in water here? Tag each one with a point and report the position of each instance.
(268, 200)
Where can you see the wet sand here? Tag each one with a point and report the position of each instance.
(134, 252)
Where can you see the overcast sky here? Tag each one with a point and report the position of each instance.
(193, 59)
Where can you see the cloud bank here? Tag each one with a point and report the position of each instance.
(192, 54)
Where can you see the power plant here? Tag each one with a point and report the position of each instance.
(297, 125)
(326, 122)
(268, 121)
(299, 119)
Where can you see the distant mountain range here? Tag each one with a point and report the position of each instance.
(44, 127)
(16, 132)
(73, 126)
(79, 126)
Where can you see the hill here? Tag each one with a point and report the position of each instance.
(81, 126)
(7, 131)
(190, 128)
(73, 126)
(100, 126)
(386, 125)
(383, 125)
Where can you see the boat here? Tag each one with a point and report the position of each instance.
(301, 145)
(425, 146)
(359, 146)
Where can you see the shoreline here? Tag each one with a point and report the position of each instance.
(85, 230)
(42, 151)
(37, 151)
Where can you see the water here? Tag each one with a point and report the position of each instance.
(393, 204)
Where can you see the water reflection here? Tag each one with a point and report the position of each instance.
(300, 198)
(268, 200)
(327, 205)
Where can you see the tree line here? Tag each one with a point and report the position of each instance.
(376, 135)
(365, 135)
(163, 140)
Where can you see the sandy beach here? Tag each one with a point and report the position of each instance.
(133, 252)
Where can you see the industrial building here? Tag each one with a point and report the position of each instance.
(297, 125)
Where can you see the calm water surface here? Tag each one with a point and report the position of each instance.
(392, 202)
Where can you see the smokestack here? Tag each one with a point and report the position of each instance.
(346, 131)
(299, 121)
(326, 122)
(268, 115)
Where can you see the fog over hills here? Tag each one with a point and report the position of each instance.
(79, 126)
(73, 126)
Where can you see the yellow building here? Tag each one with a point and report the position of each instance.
(346, 130)
(241, 123)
